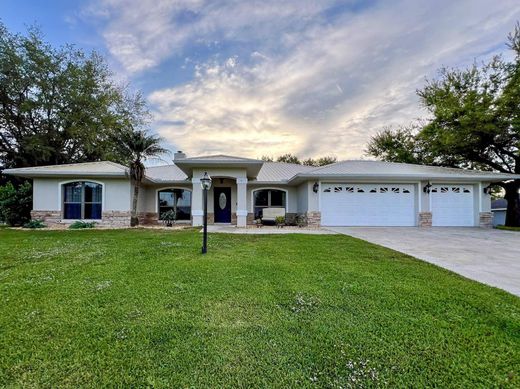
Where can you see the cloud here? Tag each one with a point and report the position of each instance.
(142, 33)
(318, 79)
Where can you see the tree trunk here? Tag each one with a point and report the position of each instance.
(513, 203)
(134, 220)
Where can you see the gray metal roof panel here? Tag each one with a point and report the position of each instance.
(386, 169)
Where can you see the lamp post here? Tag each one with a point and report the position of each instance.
(205, 182)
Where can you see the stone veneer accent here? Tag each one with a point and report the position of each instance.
(250, 220)
(425, 219)
(485, 219)
(109, 218)
(314, 218)
(48, 217)
(148, 218)
(116, 218)
(234, 218)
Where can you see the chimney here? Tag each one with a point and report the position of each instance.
(178, 155)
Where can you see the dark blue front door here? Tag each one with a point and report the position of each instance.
(222, 204)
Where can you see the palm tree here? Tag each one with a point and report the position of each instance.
(139, 145)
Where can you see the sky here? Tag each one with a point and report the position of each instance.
(255, 78)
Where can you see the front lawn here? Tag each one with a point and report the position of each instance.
(508, 228)
(144, 308)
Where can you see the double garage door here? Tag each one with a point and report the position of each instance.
(393, 205)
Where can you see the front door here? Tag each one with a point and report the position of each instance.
(222, 204)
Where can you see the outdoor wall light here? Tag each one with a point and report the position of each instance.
(427, 187)
(315, 187)
(205, 183)
(487, 189)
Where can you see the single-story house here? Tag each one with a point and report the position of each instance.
(499, 210)
(348, 193)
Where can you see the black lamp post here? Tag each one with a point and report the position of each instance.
(205, 182)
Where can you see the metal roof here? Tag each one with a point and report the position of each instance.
(218, 158)
(379, 169)
(280, 171)
(166, 173)
(92, 169)
(268, 172)
(499, 204)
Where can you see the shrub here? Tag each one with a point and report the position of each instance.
(15, 203)
(169, 217)
(280, 220)
(301, 220)
(34, 224)
(78, 225)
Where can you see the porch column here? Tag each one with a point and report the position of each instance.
(241, 202)
(196, 203)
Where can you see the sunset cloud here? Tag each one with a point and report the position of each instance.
(312, 78)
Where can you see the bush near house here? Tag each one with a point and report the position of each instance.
(78, 225)
(32, 224)
(15, 203)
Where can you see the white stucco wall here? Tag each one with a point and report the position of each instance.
(291, 197)
(148, 196)
(485, 200)
(423, 198)
(313, 198)
(303, 198)
(47, 193)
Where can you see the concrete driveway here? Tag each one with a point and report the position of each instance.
(488, 256)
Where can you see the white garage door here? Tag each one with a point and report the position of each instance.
(368, 205)
(452, 205)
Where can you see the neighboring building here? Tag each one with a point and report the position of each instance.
(349, 193)
(499, 209)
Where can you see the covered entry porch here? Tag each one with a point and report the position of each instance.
(227, 197)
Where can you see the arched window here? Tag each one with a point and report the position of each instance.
(82, 200)
(268, 198)
(176, 199)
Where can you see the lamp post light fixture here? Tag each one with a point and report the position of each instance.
(205, 182)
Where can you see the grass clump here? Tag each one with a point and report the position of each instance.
(33, 224)
(78, 225)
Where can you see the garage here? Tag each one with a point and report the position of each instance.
(452, 205)
(368, 204)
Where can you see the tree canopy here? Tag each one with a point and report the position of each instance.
(474, 122)
(60, 105)
(291, 158)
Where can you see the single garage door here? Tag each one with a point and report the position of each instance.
(452, 205)
(368, 204)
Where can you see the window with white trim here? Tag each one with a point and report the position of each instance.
(82, 200)
(175, 199)
(268, 198)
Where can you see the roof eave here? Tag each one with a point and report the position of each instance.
(253, 167)
(466, 178)
(29, 174)
(255, 182)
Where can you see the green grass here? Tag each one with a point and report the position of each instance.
(508, 228)
(144, 308)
